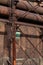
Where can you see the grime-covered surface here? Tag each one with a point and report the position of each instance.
(1, 48)
(3, 51)
(29, 47)
(1, 43)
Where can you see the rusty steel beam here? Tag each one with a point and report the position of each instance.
(21, 23)
(4, 20)
(28, 24)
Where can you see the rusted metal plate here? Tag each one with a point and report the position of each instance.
(24, 47)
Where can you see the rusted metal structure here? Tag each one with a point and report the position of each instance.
(10, 36)
(23, 14)
(28, 48)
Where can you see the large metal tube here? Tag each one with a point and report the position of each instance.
(5, 2)
(4, 10)
(30, 7)
(21, 23)
(28, 15)
(22, 14)
(25, 5)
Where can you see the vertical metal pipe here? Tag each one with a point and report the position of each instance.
(14, 45)
(14, 30)
(13, 19)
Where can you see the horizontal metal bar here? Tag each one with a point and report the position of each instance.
(5, 21)
(21, 23)
(28, 24)
(31, 36)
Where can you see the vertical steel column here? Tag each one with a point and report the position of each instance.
(13, 19)
(13, 37)
(14, 30)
